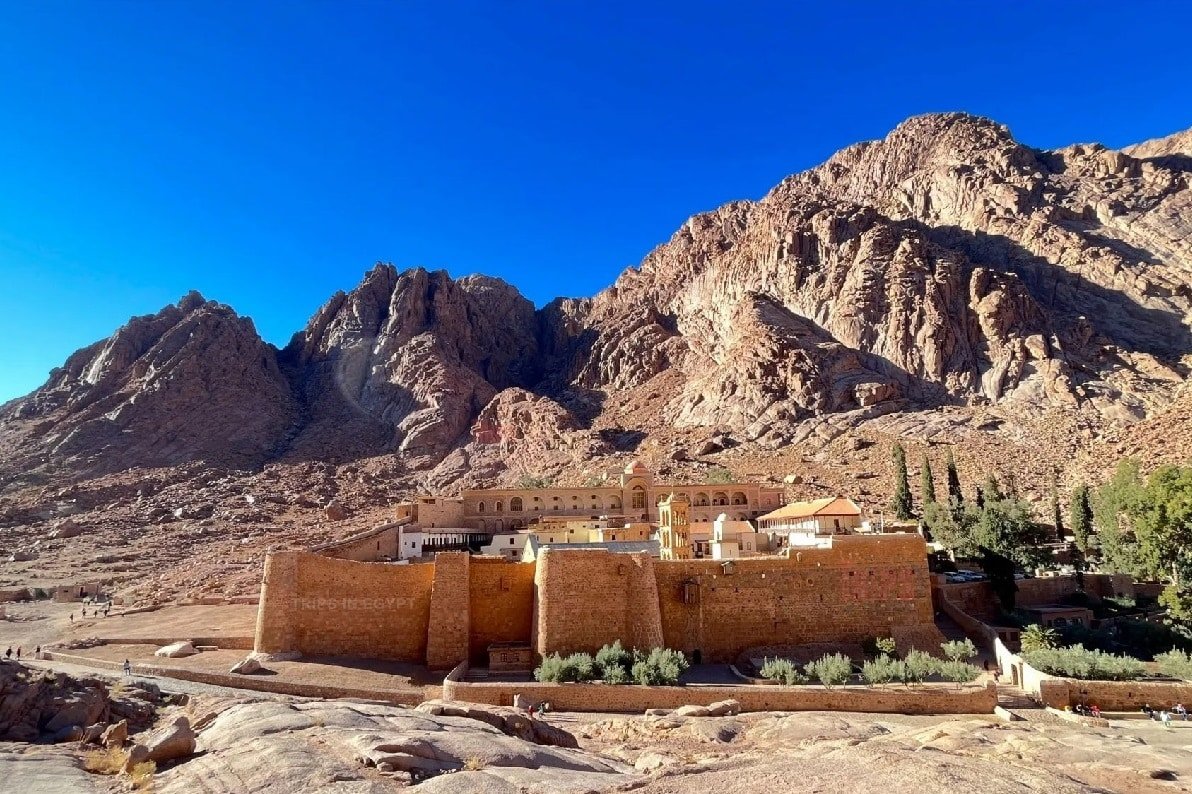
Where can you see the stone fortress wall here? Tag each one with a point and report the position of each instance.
(451, 610)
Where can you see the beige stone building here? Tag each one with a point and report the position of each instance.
(807, 523)
(634, 495)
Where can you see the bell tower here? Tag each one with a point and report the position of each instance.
(674, 531)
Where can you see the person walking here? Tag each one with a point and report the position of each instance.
(37, 652)
(127, 667)
(1165, 718)
(8, 653)
(18, 653)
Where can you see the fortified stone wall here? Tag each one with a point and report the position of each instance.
(858, 588)
(500, 606)
(590, 597)
(321, 606)
(579, 599)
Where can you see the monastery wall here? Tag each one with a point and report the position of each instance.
(858, 588)
(320, 606)
(366, 546)
(500, 605)
(590, 597)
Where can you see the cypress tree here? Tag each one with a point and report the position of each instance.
(1057, 514)
(955, 495)
(926, 483)
(1081, 517)
(991, 491)
(902, 506)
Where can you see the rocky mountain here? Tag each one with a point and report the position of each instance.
(946, 268)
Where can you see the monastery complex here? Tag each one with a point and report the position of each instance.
(500, 577)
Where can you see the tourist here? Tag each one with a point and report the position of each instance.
(127, 667)
(8, 653)
(1096, 710)
(72, 617)
(541, 709)
(1165, 718)
(37, 652)
(18, 653)
(1148, 711)
(1180, 710)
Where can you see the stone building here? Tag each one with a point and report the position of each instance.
(633, 495)
(809, 523)
(674, 536)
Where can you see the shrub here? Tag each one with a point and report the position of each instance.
(142, 775)
(557, 669)
(876, 646)
(1079, 662)
(958, 672)
(109, 761)
(918, 666)
(883, 670)
(784, 671)
(831, 669)
(614, 674)
(1176, 664)
(660, 667)
(611, 657)
(1036, 637)
(39, 594)
(958, 650)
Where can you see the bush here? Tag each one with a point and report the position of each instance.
(1079, 662)
(784, 671)
(613, 658)
(557, 669)
(39, 594)
(1036, 637)
(613, 674)
(831, 669)
(958, 672)
(958, 650)
(876, 646)
(883, 670)
(1176, 664)
(918, 666)
(661, 667)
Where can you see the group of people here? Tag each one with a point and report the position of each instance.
(1163, 715)
(533, 709)
(1085, 710)
(96, 612)
(8, 653)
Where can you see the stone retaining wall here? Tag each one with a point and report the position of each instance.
(930, 699)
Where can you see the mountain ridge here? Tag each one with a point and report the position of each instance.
(943, 265)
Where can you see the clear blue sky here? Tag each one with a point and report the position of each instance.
(268, 153)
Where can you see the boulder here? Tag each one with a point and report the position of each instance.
(176, 740)
(68, 528)
(22, 555)
(247, 667)
(115, 735)
(176, 650)
(93, 733)
(691, 711)
(724, 708)
(335, 511)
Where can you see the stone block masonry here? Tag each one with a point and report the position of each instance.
(452, 610)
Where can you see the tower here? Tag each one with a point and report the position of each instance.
(674, 532)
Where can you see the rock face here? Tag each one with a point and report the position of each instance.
(192, 382)
(35, 705)
(947, 265)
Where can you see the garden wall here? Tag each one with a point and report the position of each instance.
(930, 699)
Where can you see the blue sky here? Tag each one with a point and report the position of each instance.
(268, 153)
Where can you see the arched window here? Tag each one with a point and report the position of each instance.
(720, 498)
(701, 499)
(480, 508)
(739, 498)
(638, 498)
(515, 504)
(500, 506)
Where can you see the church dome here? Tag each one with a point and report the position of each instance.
(636, 467)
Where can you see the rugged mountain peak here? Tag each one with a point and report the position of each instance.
(406, 360)
(193, 381)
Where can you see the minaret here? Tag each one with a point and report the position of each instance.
(674, 532)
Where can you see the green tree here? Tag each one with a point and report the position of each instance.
(1081, 517)
(952, 529)
(991, 491)
(902, 506)
(1112, 505)
(1057, 517)
(1007, 527)
(1035, 637)
(926, 483)
(955, 495)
